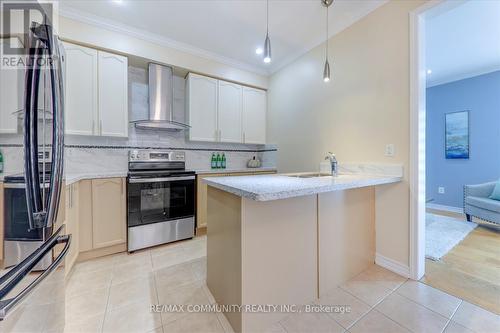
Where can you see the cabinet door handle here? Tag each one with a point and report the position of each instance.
(220, 135)
(244, 137)
(100, 127)
(93, 127)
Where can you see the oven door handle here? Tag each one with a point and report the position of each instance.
(159, 180)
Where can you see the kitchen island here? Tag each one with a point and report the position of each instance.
(287, 239)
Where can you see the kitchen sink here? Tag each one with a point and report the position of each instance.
(310, 175)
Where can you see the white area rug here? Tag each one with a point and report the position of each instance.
(442, 233)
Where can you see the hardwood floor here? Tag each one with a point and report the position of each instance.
(471, 270)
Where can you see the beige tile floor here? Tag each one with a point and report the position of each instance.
(114, 294)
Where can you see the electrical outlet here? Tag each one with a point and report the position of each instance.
(441, 190)
(389, 149)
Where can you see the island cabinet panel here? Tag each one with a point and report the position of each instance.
(261, 253)
(224, 250)
(108, 212)
(346, 230)
(279, 266)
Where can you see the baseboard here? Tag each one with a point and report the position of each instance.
(105, 251)
(201, 231)
(451, 209)
(392, 265)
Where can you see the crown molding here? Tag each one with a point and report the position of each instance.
(157, 39)
(462, 76)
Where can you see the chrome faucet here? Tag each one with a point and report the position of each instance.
(333, 162)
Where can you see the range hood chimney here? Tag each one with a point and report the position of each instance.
(161, 97)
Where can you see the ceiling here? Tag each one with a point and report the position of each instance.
(463, 41)
(227, 31)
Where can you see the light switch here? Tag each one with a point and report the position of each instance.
(389, 149)
(441, 190)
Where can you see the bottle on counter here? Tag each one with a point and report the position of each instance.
(223, 161)
(213, 162)
(218, 161)
(1, 162)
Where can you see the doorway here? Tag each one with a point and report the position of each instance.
(447, 251)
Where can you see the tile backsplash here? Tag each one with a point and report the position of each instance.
(93, 153)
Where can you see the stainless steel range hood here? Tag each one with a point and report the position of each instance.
(161, 97)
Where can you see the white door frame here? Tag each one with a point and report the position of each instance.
(418, 72)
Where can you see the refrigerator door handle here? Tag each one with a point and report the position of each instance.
(32, 82)
(10, 280)
(42, 212)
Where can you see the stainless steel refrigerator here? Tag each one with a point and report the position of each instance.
(33, 300)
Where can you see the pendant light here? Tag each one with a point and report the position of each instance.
(326, 69)
(267, 42)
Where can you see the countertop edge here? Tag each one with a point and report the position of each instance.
(74, 178)
(217, 171)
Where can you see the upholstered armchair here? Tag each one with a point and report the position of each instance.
(478, 204)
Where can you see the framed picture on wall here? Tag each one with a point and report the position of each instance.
(457, 135)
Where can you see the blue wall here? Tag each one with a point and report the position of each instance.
(481, 96)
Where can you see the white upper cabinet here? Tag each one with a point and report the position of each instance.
(254, 116)
(221, 111)
(96, 96)
(229, 112)
(81, 90)
(202, 108)
(113, 101)
(11, 93)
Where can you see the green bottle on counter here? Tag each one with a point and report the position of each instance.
(213, 163)
(1, 162)
(219, 161)
(223, 161)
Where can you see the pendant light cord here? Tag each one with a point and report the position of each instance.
(267, 18)
(327, 33)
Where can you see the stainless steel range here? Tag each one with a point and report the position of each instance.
(161, 198)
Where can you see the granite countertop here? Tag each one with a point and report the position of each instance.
(240, 170)
(71, 178)
(274, 187)
(3, 175)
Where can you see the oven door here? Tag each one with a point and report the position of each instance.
(153, 200)
(17, 227)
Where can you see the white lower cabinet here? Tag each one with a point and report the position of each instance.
(221, 111)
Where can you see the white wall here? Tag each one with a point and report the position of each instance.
(363, 108)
